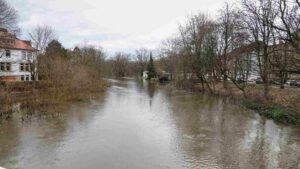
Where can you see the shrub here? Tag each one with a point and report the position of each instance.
(269, 110)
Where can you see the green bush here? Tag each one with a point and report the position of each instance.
(275, 112)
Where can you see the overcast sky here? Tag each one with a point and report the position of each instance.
(116, 25)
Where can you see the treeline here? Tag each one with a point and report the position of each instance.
(55, 67)
(130, 65)
(254, 36)
(77, 69)
(61, 69)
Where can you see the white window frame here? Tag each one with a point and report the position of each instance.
(6, 65)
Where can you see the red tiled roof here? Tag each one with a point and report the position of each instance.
(18, 44)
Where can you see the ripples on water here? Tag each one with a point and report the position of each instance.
(140, 125)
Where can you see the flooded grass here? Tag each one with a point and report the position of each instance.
(283, 107)
(37, 98)
(273, 111)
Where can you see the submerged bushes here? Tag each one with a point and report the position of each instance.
(75, 70)
(185, 84)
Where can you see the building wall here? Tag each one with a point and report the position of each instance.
(254, 71)
(245, 60)
(16, 58)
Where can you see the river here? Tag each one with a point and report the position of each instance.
(137, 125)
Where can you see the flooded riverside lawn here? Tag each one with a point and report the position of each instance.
(137, 125)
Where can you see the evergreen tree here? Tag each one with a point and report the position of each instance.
(76, 51)
(151, 68)
(55, 48)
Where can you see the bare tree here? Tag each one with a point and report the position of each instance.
(90, 56)
(242, 66)
(142, 57)
(280, 61)
(199, 41)
(229, 29)
(259, 15)
(8, 16)
(41, 36)
(287, 27)
(120, 64)
(169, 55)
(288, 22)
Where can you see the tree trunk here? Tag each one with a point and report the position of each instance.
(266, 90)
(225, 86)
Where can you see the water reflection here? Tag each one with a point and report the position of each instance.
(141, 125)
(221, 135)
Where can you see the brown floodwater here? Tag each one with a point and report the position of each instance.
(137, 125)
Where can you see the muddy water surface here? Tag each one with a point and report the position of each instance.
(137, 125)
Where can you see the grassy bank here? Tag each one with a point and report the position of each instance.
(283, 105)
(273, 111)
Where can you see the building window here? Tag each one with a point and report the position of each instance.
(5, 66)
(6, 42)
(22, 66)
(24, 55)
(27, 68)
(29, 55)
(27, 77)
(2, 66)
(22, 78)
(7, 53)
(8, 66)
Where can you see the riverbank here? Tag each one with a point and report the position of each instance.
(283, 105)
(44, 97)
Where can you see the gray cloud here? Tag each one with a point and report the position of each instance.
(113, 24)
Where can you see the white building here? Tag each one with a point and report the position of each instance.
(17, 58)
(145, 74)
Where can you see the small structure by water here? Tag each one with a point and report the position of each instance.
(145, 74)
(164, 76)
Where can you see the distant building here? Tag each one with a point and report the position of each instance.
(284, 57)
(17, 58)
(244, 57)
(281, 57)
(164, 76)
(145, 74)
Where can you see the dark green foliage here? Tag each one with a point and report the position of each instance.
(275, 112)
(55, 48)
(151, 68)
(77, 51)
